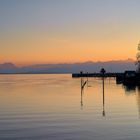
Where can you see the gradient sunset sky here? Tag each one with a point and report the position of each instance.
(67, 31)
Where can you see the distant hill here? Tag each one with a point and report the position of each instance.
(110, 66)
(8, 68)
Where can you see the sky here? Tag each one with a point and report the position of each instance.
(68, 31)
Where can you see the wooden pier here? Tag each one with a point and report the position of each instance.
(78, 75)
(128, 77)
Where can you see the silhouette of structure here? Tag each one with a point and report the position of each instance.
(138, 59)
(127, 77)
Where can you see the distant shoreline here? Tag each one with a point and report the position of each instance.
(30, 73)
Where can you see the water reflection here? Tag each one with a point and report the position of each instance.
(83, 83)
(49, 108)
(133, 89)
(103, 98)
(129, 89)
(138, 99)
(82, 92)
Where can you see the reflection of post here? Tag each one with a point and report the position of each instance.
(83, 83)
(81, 89)
(103, 75)
(103, 98)
(81, 98)
(87, 79)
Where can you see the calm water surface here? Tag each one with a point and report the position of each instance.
(51, 107)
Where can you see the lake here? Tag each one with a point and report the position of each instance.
(52, 107)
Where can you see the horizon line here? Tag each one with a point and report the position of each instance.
(88, 61)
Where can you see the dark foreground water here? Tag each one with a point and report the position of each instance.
(51, 107)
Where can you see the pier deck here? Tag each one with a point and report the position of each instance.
(78, 75)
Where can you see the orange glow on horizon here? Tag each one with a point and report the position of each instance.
(33, 49)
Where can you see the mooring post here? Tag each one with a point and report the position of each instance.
(81, 74)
